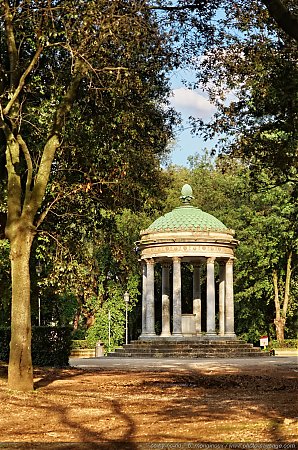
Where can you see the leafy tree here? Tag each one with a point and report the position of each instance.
(250, 73)
(265, 222)
(283, 13)
(268, 255)
(65, 67)
(245, 56)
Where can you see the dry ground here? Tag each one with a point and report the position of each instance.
(113, 406)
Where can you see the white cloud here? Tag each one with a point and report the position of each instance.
(192, 103)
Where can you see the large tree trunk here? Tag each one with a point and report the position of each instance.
(279, 321)
(281, 312)
(20, 372)
(280, 329)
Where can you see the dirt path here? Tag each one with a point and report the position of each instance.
(196, 405)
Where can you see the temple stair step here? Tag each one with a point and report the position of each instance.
(188, 349)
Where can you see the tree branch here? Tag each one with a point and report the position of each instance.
(287, 285)
(14, 183)
(54, 142)
(27, 156)
(69, 97)
(22, 81)
(288, 22)
(11, 44)
(276, 299)
(175, 8)
(46, 211)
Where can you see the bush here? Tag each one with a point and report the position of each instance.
(79, 343)
(78, 334)
(288, 343)
(51, 346)
(4, 343)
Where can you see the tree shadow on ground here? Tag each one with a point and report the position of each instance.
(116, 408)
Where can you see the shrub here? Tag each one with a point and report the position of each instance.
(79, 343)
(288, 343)
(50, 345)
(4, 343)
(78, 334)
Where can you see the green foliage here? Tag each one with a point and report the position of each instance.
(78, 334)
(50, 345)
(288, 343)
(265, 222)
(4, 343)
(249, 70)
(79, 343)
(113, 306)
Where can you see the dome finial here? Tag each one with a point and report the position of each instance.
(186, 194)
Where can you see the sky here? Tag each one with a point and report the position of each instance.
(188, 102)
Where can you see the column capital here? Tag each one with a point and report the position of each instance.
(176, 259)
(150, 261)
(211, 260)
(166, 265)
(230, 262)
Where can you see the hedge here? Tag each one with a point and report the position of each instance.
(79, 344)
(51, 346)
(287, 343)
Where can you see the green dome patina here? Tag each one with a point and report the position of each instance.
(187, 217)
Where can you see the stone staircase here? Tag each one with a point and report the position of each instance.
(188, 349)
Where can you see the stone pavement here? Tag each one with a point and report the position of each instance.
(166, 364)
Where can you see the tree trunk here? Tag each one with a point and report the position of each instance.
(279, 321)
(20, 371)
(280, 329)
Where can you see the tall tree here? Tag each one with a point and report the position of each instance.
(54, 56)
(250, 73)
(265, 222)
(245, 56)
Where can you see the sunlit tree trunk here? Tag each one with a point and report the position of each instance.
(20, 374)
(281, 310)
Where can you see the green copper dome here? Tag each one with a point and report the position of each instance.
(187, 217)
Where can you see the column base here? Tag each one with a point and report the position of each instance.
(144, 337)
(230, 335)
(177, 335)
(165, 334)
(211, 333)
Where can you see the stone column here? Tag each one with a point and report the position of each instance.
(177, 328)
(150, 319)
(222, 289)
(165, 301)
(197, 298)
(229, 302)
(210, 297)
(144, 298)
